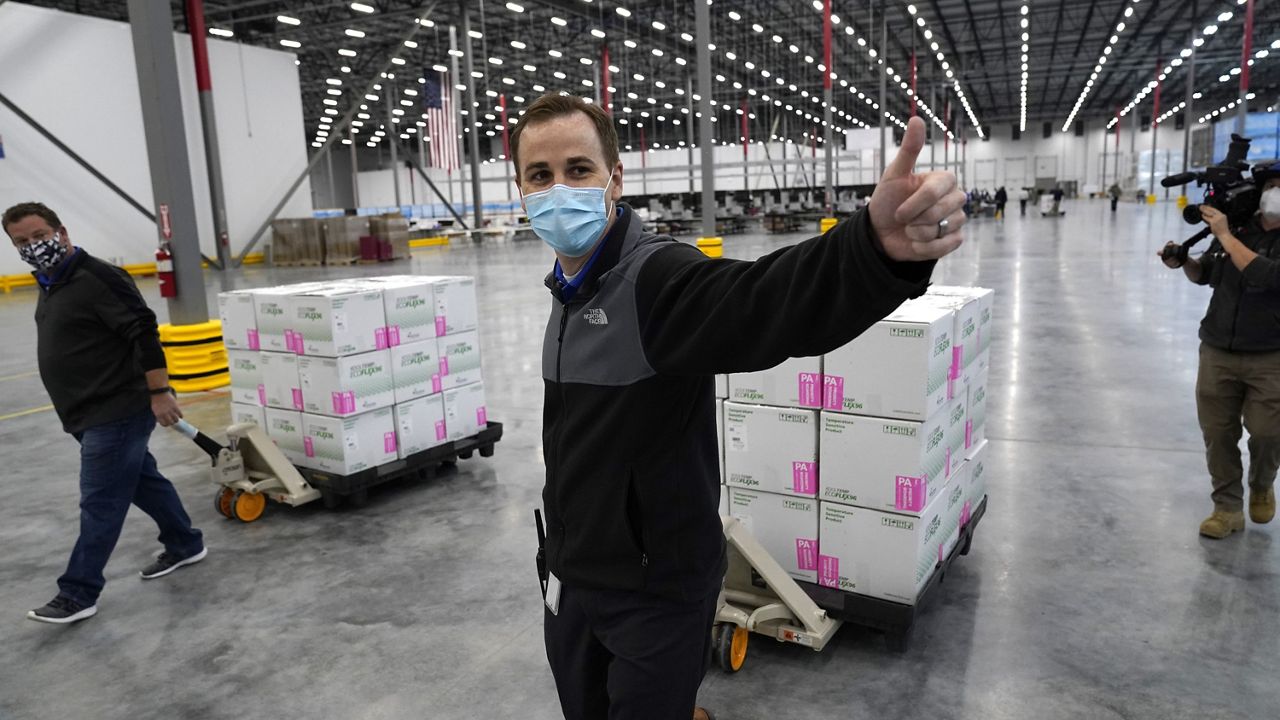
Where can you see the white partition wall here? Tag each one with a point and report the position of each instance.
(79, 81)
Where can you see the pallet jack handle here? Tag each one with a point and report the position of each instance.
(206, 443)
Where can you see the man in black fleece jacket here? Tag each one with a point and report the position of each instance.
(639, 325)
(100, 359)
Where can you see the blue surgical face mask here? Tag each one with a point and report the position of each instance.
(569, 219)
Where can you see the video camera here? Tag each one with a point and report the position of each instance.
(1232, 191)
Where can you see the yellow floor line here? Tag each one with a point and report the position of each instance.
(29, 411)
(19, 375)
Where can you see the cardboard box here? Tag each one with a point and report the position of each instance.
(415, 367)
(459, 359)
(986, 305)
(239, 321)
(284, 427)
(898, 368)
(273, 318)
(281, 387)
(242, 413)
(337, 320)
(456, 307)
(882, 554)
(964, 340)
(785, 525)
(246, 377)
(347, 385)
(883, 463)
(975, 477)
(410, 304)
(348, 445)
(771, 449)
(724, 501)
(465, 413)
(720, 438)
(976, 423)
(957, 424)
(797, 383)
(420, 424)
(722, 387)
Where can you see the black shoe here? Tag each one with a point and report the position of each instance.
(168, 562)
(62, 611)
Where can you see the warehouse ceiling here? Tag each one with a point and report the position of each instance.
(985, 62)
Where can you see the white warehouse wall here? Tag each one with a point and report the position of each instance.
(76, 76)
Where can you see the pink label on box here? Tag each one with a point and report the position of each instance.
(308, 447)
(968, 434)
(297, 398)
(288, 340)
(393, 335)
(348, 402)
(262, 394)
(966, 512)
(444, 366)
(389, 442)
(441, 325)
(832, 392)
(942, 552)
(948, 466)
(806, 554)
(810, 390)
(957, 360)
(436, 384)
(828, 571)
(380, 338)
(804, 477)
(482, 417)
(909, 493)
(440, 430)
(337, 403)
(251, 337)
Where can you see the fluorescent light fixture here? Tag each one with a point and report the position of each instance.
(559, 21)
(346, 53)
(291, 43)
(513, 7)
(622, 11)
(518, 45)
(397, 61)
(354, 33)
(361, 7)
(410, 44)
(288, 20)
(220, 32)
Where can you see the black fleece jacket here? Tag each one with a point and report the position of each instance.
(629, 418)
(1244, 312)
(96, 338)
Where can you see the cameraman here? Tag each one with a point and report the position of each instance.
(1240, 356)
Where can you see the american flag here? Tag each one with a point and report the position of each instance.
(437, 106)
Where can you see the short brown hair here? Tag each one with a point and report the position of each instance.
(553, 106)
(27, 209)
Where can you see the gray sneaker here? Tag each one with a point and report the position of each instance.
(62, 610)
(167, 562)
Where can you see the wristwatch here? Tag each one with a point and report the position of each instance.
(163, 390)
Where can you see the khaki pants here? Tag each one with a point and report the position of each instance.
(1233, 386)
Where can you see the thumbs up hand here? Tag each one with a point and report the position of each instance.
(908, 208)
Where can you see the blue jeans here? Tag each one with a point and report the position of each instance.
(116, 469)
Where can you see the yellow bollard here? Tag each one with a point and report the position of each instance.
(711, 246)
(195, 356)
(1182, 201)
(1151, 199)
(826, 224)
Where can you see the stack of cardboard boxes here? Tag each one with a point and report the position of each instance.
(857, 470)
(349, 375)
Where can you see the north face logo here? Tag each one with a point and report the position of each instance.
(595, 316)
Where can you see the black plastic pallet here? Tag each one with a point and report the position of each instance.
(895, 620)
(354, 488)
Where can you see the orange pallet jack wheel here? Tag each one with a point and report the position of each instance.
(222, 501)
(731, 646)
(247, 507)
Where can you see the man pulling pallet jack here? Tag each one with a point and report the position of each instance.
(634, 551)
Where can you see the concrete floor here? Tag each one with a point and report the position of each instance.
(1088, 593)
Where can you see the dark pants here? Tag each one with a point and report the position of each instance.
(622, 655)
(999, 209)
(1231, 387)
(1023, 205)
(1114, 200)
(116, 469)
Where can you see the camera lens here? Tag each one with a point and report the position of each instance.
(1191, 214)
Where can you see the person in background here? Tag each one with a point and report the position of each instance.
(1002, 199)
(1023, 197)
(1238, 386)
(639, 325)
(1114, 193)
(1057, 200)
(99, 356)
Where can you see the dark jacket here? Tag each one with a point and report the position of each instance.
(1244, 312)
(629, 430)
(95, 340)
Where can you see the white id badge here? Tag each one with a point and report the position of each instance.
(553, 594)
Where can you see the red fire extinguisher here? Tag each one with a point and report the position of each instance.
(164, 272)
